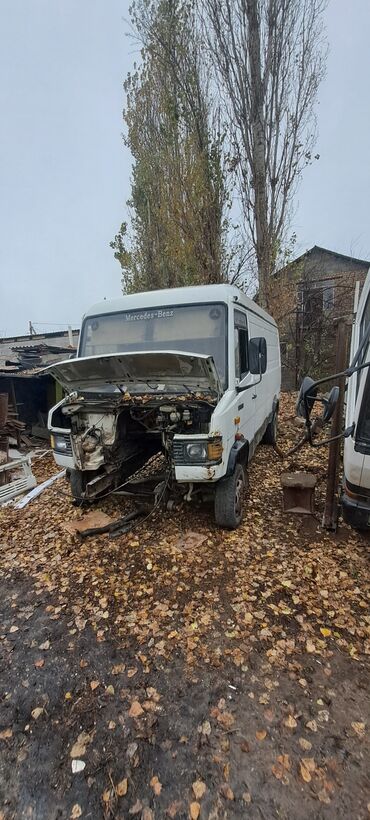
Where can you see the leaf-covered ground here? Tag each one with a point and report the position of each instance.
(184, 671)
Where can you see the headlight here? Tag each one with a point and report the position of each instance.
(196, 451)
(59, 443)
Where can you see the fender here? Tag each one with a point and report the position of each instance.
(239, 454)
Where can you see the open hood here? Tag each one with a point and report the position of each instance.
(147, 371)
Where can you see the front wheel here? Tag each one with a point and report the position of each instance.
(270, 434)
(229, 499)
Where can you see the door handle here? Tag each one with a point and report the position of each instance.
(254, 396)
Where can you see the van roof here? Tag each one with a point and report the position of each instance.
(178, 296)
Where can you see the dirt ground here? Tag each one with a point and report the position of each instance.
(184, 671)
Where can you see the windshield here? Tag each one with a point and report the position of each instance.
(190, 328)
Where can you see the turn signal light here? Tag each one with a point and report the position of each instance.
(214, 449)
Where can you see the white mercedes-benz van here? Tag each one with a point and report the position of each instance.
(193, 372)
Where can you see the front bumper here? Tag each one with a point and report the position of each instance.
(356, 513)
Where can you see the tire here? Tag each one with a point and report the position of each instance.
(270, 434)
(229, 499)
(77, 483)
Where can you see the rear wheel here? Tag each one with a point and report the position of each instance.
(270, 434)
(229, 499)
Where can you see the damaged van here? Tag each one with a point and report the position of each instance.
(191, 372)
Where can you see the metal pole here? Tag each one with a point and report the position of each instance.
(331, 501)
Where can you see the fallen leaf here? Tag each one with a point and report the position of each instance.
(226, 791)
(120, 667)
(247, 797)
(109, 690)
(122, 787)
(106, 796)
(310, 646)
(281, 768)
(147, 814)
(76, 812)
(199, 788)
(136, 808)
(45, 645)
(37, 712)
(324, 797)
(174, 808)
(156, 784)
(194, 810)
(14, 629)
(359, 728)
(5, 734)
(39, 663)
(306, 767)
(94, 684)
(290, 722)
(261, 734)
(226, 719)
(325, 632)
(112, 724)
(68, 696)
(79, 748)
(311, 724)
(305, 744)
(80, 623)
(136, 709)
(131, 673)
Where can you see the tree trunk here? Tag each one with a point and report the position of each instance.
(263, 250)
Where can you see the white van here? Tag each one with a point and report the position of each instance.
(356, 456)
(193, 372)
(355, 495)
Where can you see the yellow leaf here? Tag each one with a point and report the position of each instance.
(156, 785)
(359, 728)
(136, 709)
(122, 787)
(325, 632)
(306, 767)
(198, 788)
(290, 722)
(194, 810)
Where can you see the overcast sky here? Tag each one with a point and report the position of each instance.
(64, 171)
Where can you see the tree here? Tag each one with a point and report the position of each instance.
(178, 199)
(269, 57)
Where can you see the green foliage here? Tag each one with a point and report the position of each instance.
(178, 199)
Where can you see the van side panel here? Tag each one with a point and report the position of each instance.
(268, 391)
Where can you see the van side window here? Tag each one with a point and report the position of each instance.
(241, 344)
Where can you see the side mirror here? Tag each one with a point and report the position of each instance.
(330, 404)
(257, 351)
(310, 393)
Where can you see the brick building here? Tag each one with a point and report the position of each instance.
(305, 298)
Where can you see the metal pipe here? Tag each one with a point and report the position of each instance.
(331, 501)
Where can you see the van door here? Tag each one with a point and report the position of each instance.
(245, 408)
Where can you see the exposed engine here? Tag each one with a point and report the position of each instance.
(111, 438)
